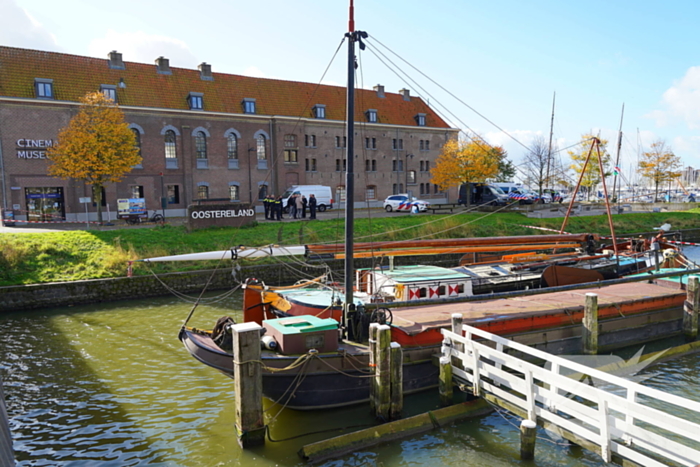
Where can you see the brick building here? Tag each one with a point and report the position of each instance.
(206, 135)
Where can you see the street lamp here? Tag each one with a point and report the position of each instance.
(250, 181)
(406, 169)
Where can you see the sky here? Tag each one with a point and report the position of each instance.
(490, 67)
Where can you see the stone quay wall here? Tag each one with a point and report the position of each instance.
(58, 294)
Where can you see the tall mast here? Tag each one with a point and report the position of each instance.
(349, 174)
(617, 158)
(551, 133)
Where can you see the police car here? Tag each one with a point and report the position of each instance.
(403, 203)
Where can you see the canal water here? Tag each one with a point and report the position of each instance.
(110, 384)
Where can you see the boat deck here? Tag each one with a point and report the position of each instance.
(421, 325)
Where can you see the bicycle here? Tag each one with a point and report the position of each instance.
(155, 218)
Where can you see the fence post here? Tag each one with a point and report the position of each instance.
(373, 327)
(690, 309)
(528, 438)
(382, 375)
(396, 381)
(457, 328)
(589, 335)
(247, 375)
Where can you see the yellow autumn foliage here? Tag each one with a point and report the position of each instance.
(466, 162)
(96, 147)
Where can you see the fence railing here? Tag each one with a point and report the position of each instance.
(617, 418)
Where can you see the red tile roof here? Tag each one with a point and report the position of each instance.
(73, 76)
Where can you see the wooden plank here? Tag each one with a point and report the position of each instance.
(6, 452)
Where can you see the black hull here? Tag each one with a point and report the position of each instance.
(324, 382)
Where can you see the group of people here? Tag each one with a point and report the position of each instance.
(296, 205)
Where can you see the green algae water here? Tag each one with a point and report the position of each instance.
(111, 384)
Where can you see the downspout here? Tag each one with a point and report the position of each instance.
(273, 170)
(2, 175)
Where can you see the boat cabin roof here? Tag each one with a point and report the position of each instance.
(419, 273)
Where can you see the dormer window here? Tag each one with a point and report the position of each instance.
(43, 88)
(248, 106)
(420, 119)
(371, 116)
(319, 111)
(196, 101)
(109, 91)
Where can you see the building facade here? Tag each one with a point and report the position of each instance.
(205, 135)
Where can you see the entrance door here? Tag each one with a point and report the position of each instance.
(45, 204)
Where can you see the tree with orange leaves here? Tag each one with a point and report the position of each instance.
(96, 147)
(466, 162)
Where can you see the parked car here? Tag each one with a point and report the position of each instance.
(403, 203)
(523, 196)
(554, 196)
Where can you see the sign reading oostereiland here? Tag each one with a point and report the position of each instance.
(220, 215)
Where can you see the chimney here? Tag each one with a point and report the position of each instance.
(380, 90)
(205, 72)
(406, 94)
(163, 66)
(115, 60)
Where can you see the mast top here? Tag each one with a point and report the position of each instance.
(351, 21)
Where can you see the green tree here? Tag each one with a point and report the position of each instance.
(659, 165)
(592, 176)
(506, 170)
(466, 162)
(96, 147)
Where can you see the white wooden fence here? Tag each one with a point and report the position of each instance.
(620, 420)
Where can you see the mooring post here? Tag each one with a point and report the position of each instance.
(247, 375)
(396, 381)
(7, 458)
(690, 309)
(528, 437)
(382, 375)
(445, 384)
(589, 334)
(373, 338)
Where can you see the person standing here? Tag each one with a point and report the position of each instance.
(312, 207)
(299, 206)
(304, 202)
(277, 209)
(267, 202)
(292, 206)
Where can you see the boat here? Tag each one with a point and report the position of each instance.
(326, 362)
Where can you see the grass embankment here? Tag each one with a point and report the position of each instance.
(28, 258)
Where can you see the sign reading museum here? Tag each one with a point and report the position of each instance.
(32, 148)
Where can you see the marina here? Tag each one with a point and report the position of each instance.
(111, 383)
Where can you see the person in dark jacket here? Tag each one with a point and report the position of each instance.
(292, 206)
(278, 209)
(312, 206)
(267, 203)
(304, 202)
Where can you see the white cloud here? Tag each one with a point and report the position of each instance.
(19, 29)
(681, 101)
(144, 48)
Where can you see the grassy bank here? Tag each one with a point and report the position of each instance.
(27, 258)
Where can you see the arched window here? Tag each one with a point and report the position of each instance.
(137, 138)
(234, 192)
(200, 142)
(262, 153)
(232, 145)
(170, 147)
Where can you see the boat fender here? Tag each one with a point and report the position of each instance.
(269, 343)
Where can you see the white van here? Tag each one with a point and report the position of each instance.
(509, 187)
(322, 193)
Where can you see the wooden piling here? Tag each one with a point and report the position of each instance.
(691, 308)
(589, 335)
(382, 375)
(373, 337)
(6, 452)
(528, 438)
(247, 374)
(396, 381)
(457, 328)
(445, 384)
